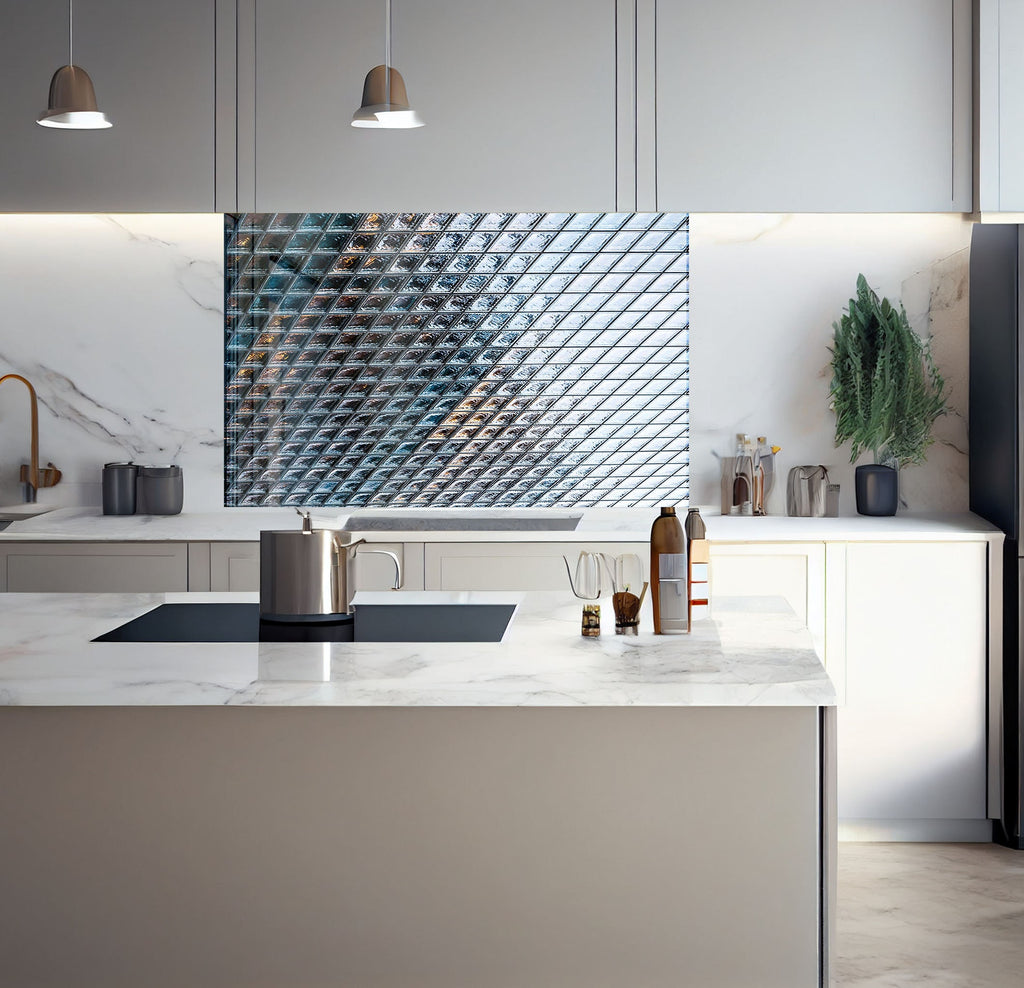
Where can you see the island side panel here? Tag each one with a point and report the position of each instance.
(436, 847)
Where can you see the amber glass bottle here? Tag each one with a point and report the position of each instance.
(668, 573)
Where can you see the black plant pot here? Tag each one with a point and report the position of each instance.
(878, 489)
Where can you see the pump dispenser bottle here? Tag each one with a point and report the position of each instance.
(668, 574)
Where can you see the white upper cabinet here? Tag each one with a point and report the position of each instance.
(153, 69)
(805, 106)
(547, 105)
(518, 98)
(1000, 106)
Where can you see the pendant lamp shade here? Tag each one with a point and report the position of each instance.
(385, 105)
(385, 102)
(72, 103)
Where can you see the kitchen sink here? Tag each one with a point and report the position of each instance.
(18, 512)
(467, 521)
(240, 622)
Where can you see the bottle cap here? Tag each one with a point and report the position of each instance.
(668, 509)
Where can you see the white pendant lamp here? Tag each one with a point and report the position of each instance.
(72, 103)
(385, 103)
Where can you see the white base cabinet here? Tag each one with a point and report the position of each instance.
(912, 733)
(903, 631)
(794, 571)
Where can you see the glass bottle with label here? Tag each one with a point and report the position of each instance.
(668, 574)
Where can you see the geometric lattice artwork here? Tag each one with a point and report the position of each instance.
(457, 359)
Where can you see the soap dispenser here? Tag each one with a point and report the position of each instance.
(668, 573)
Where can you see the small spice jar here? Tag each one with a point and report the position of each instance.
(591, 627)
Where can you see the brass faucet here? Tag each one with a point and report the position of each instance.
(30, 476)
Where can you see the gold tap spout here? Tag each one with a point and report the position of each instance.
(30, 477)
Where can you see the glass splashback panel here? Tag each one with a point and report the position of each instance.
(457, 359)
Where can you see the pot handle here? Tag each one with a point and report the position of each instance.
(344, 547)
(394, 559)
(340, 546)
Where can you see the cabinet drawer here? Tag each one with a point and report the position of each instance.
(512, 565)
(97, 568)
(235, 566)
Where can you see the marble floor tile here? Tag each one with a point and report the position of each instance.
(942, 915)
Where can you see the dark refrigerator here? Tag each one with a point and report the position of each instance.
(996, 417)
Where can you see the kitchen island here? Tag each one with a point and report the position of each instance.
(546, 810)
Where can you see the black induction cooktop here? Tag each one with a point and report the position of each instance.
(235, 622)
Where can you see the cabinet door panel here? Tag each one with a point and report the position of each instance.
(98, 568)
(512, 565)
(518, 101)
(795, 572)
(1010, 103)
(912, 732)
(235, 566)
(800, 105)
(153, 69)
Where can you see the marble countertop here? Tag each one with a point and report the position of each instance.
(596, 525)
(753, 652)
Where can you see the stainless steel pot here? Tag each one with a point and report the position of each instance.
(305, 573)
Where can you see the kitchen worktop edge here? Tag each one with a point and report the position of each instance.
(752, 654)
(244, 525)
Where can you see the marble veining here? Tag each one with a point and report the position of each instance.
(117, 321)
(746, 656)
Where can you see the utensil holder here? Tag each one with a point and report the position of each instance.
(627, 613)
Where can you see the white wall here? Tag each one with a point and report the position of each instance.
(118, 321)
(764, 292)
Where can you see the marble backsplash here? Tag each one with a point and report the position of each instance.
(118, 321)
(765, 290)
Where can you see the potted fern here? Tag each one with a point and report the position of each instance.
(886, 393)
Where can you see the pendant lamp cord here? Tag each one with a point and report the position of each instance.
(71, 32)
(387, 53)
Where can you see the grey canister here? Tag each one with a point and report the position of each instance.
(878, 490)
(119, 481)
(160, 490)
